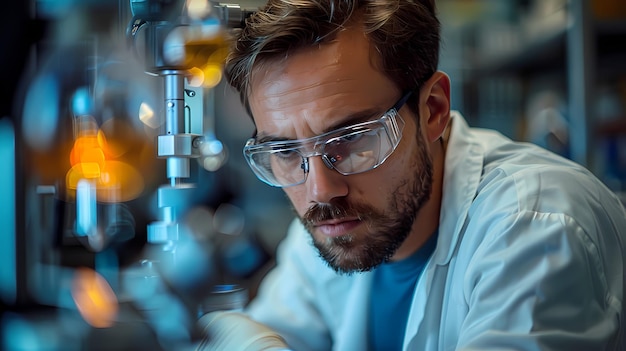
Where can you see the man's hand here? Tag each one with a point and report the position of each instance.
(233, 331)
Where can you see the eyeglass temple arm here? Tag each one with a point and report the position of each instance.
(305, 164)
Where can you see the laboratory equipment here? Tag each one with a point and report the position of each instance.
(78, 271)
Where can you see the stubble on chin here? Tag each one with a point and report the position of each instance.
(342, 253)
(381, 234)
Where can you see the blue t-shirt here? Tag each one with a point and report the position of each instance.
(391, 297)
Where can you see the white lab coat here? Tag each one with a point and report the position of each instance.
(530, 256)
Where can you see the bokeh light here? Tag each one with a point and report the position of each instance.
(94, 298)
(198, 9)
(94, 157)
(212, 75)
(41, 112)
(148, 117)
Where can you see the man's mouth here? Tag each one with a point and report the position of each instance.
(337, 227)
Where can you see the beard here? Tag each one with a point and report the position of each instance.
(385, 230)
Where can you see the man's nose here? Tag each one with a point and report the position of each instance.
(323, 183)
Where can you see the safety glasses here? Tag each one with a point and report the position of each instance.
(350, 150)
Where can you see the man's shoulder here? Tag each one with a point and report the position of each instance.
(525, 179)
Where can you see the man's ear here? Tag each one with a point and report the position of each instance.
(435, 98)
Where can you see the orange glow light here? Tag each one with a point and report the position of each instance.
(212, 75)
(92, 157)
(94, 298)
(119, 181)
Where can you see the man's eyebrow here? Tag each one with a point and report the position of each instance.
(356, 118)
(261, 138)
(349, 120)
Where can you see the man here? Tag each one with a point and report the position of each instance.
(428, 234)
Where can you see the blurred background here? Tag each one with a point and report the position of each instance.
(128, 209)
(552, 72)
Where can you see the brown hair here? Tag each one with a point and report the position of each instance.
(406, 33)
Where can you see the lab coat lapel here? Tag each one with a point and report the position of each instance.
(463, 168)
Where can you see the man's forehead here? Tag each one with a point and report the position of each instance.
(346, 58)
(322, 86)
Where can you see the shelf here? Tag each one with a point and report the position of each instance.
(567, 51)
(542, 53)
(612, 128)
(611, 27)
(548, 51)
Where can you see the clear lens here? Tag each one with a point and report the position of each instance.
(278, 167)
(349, 150)
(354, 153)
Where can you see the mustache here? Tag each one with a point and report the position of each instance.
(336, 210)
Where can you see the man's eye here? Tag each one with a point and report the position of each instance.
(285, 154)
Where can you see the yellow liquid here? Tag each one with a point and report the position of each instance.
(200, 53)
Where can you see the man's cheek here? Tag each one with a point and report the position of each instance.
(297, 199)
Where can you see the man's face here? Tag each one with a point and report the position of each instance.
(361, 220)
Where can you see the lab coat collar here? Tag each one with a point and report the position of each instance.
(462, 172)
